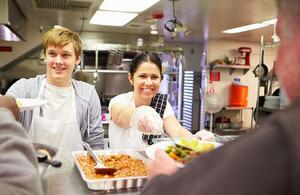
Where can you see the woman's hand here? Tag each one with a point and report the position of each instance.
(147, 120)
(205, 135)
(163, 164)
(10, 103)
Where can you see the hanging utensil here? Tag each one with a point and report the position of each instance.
(95, 74)
(99, 168)
(263, 70)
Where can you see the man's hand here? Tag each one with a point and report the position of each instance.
(10, 103)
(163, 164)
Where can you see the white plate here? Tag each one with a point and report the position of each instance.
(30, 104)
(150, 151)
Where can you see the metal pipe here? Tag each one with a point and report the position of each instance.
(259, 74)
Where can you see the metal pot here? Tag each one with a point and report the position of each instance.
(230, 60)
(236, 124)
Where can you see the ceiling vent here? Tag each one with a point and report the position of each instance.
(71, 5)
(138, 25)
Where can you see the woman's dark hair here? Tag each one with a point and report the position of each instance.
(144, 57)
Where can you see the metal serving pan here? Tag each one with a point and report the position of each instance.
(112, 183)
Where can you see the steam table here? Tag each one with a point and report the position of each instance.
(56, 183)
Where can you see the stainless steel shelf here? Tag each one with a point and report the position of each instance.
(118, 71)
(236, 131)
(103, 71)
(243, 130)
(236, 108)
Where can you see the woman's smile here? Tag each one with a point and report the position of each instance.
(146, 81)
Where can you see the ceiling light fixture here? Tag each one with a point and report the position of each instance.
(271, 22)
(120, 12)
(153, 28)
(174, 22)
(154, 32)
(250, 27)
(108, 18)
(127, 5)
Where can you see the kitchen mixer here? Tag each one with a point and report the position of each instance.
(245, 52)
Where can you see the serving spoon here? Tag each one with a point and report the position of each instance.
(99, 168)
(42, 157)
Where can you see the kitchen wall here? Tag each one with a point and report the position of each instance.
(218, 49)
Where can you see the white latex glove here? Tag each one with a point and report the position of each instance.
(205, 135)
(147, 120)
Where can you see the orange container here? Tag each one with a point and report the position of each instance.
(238, 94)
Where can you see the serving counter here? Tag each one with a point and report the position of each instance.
(56, 183)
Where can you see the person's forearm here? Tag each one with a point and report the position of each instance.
(174, 128)
(121, 115)
(181, 132)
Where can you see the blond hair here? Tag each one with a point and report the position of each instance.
(60, 37)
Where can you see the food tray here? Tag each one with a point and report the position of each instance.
(112, 183)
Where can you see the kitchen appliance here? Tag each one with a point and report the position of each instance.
(245, 52)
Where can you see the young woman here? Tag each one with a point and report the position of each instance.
(139, 115)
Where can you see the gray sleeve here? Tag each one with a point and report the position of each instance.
(24, 88)
(19, 170)
(95, 137)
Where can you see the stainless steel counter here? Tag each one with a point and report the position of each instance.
(56, 183)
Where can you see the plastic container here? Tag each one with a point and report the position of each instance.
(238, 94)
(222, 123)
(272, 102)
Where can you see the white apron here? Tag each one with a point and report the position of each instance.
(63, 134)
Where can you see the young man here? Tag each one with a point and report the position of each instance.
(264, 162)
(72, 112)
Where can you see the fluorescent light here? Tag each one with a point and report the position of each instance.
(154, 32)
(250, 27)
(127, 5)
(57, 26)
(273, 21)
(245, 28)
(112, 18)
